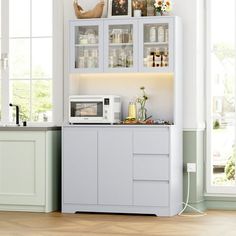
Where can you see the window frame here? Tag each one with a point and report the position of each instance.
(211, 190)
(57, 66)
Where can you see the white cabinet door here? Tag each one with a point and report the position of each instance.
(115, 167)
(86, 46)
(121, 45)
(156, 45)
(80, 166)
(22, 168)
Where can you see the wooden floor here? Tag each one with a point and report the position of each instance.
(222, 223)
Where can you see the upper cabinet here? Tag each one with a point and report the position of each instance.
(86, 42)
(121, 45)
(125, 45)
(156, 45)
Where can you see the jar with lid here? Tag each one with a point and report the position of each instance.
(122, 59)
(81, 63)
(152, 34)
(165, 57)
(86, 52)
(158, 58)
(161, 34)
(113, 55)
(166, 35)
(117, 36)
(125, 34)
(90, 35)
(90, 62)
(129, 59)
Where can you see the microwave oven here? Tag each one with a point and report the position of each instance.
(104, 109)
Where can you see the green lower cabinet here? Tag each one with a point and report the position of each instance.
(29, 170)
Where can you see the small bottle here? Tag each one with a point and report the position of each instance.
(152, 34)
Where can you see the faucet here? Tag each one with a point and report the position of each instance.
(17, 113)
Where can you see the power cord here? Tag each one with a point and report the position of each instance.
(186, 204)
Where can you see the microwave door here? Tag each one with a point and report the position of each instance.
(87, 109)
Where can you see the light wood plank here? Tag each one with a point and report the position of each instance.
(57, 224)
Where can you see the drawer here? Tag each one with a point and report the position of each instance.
(151, 193)
(149, 141)
(151, 167)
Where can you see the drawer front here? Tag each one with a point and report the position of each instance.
(151, 193)
(151, 167)
(148, 141)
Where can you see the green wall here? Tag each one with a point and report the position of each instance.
(194, 151)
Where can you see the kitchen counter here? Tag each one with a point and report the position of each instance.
(119, 125)
(29, 128)
(30, 158)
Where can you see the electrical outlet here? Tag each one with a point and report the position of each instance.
(191, 167)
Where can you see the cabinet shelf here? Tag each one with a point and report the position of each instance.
(120, 44)
(155, 43)
(87, 45)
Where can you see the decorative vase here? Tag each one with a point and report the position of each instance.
(142, 114)
(159, 13)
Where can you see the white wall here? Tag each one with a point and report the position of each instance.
(191, 11)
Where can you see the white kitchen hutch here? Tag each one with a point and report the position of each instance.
(125, 168)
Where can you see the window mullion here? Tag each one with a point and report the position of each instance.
(31, 60)
(5, 73)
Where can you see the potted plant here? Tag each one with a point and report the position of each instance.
(162, 7)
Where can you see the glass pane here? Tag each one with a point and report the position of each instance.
(20, 95)
(41, 58)
(86, 47)
(42, 100)
(42, 18)
(0, 74)
(223, 93)
(19, 58)
(19, 17)
(0, 100)
(156, 50)
(120, 46)
(0, 19)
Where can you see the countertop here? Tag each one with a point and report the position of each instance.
(29, 128)
(117, 125)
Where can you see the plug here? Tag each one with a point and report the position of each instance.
(191, 167)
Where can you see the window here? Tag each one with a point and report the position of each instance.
(30, 76)
(221, 82)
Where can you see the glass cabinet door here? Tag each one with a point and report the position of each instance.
(121, 40)
(87, 47)
(156, 52)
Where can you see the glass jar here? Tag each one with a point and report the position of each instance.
(152, 34)
(90, 34)
(129, 59)
(158, 58)
(161, 34)
(122, 59)
(132, 111)
(125, 38)
(117, 36)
